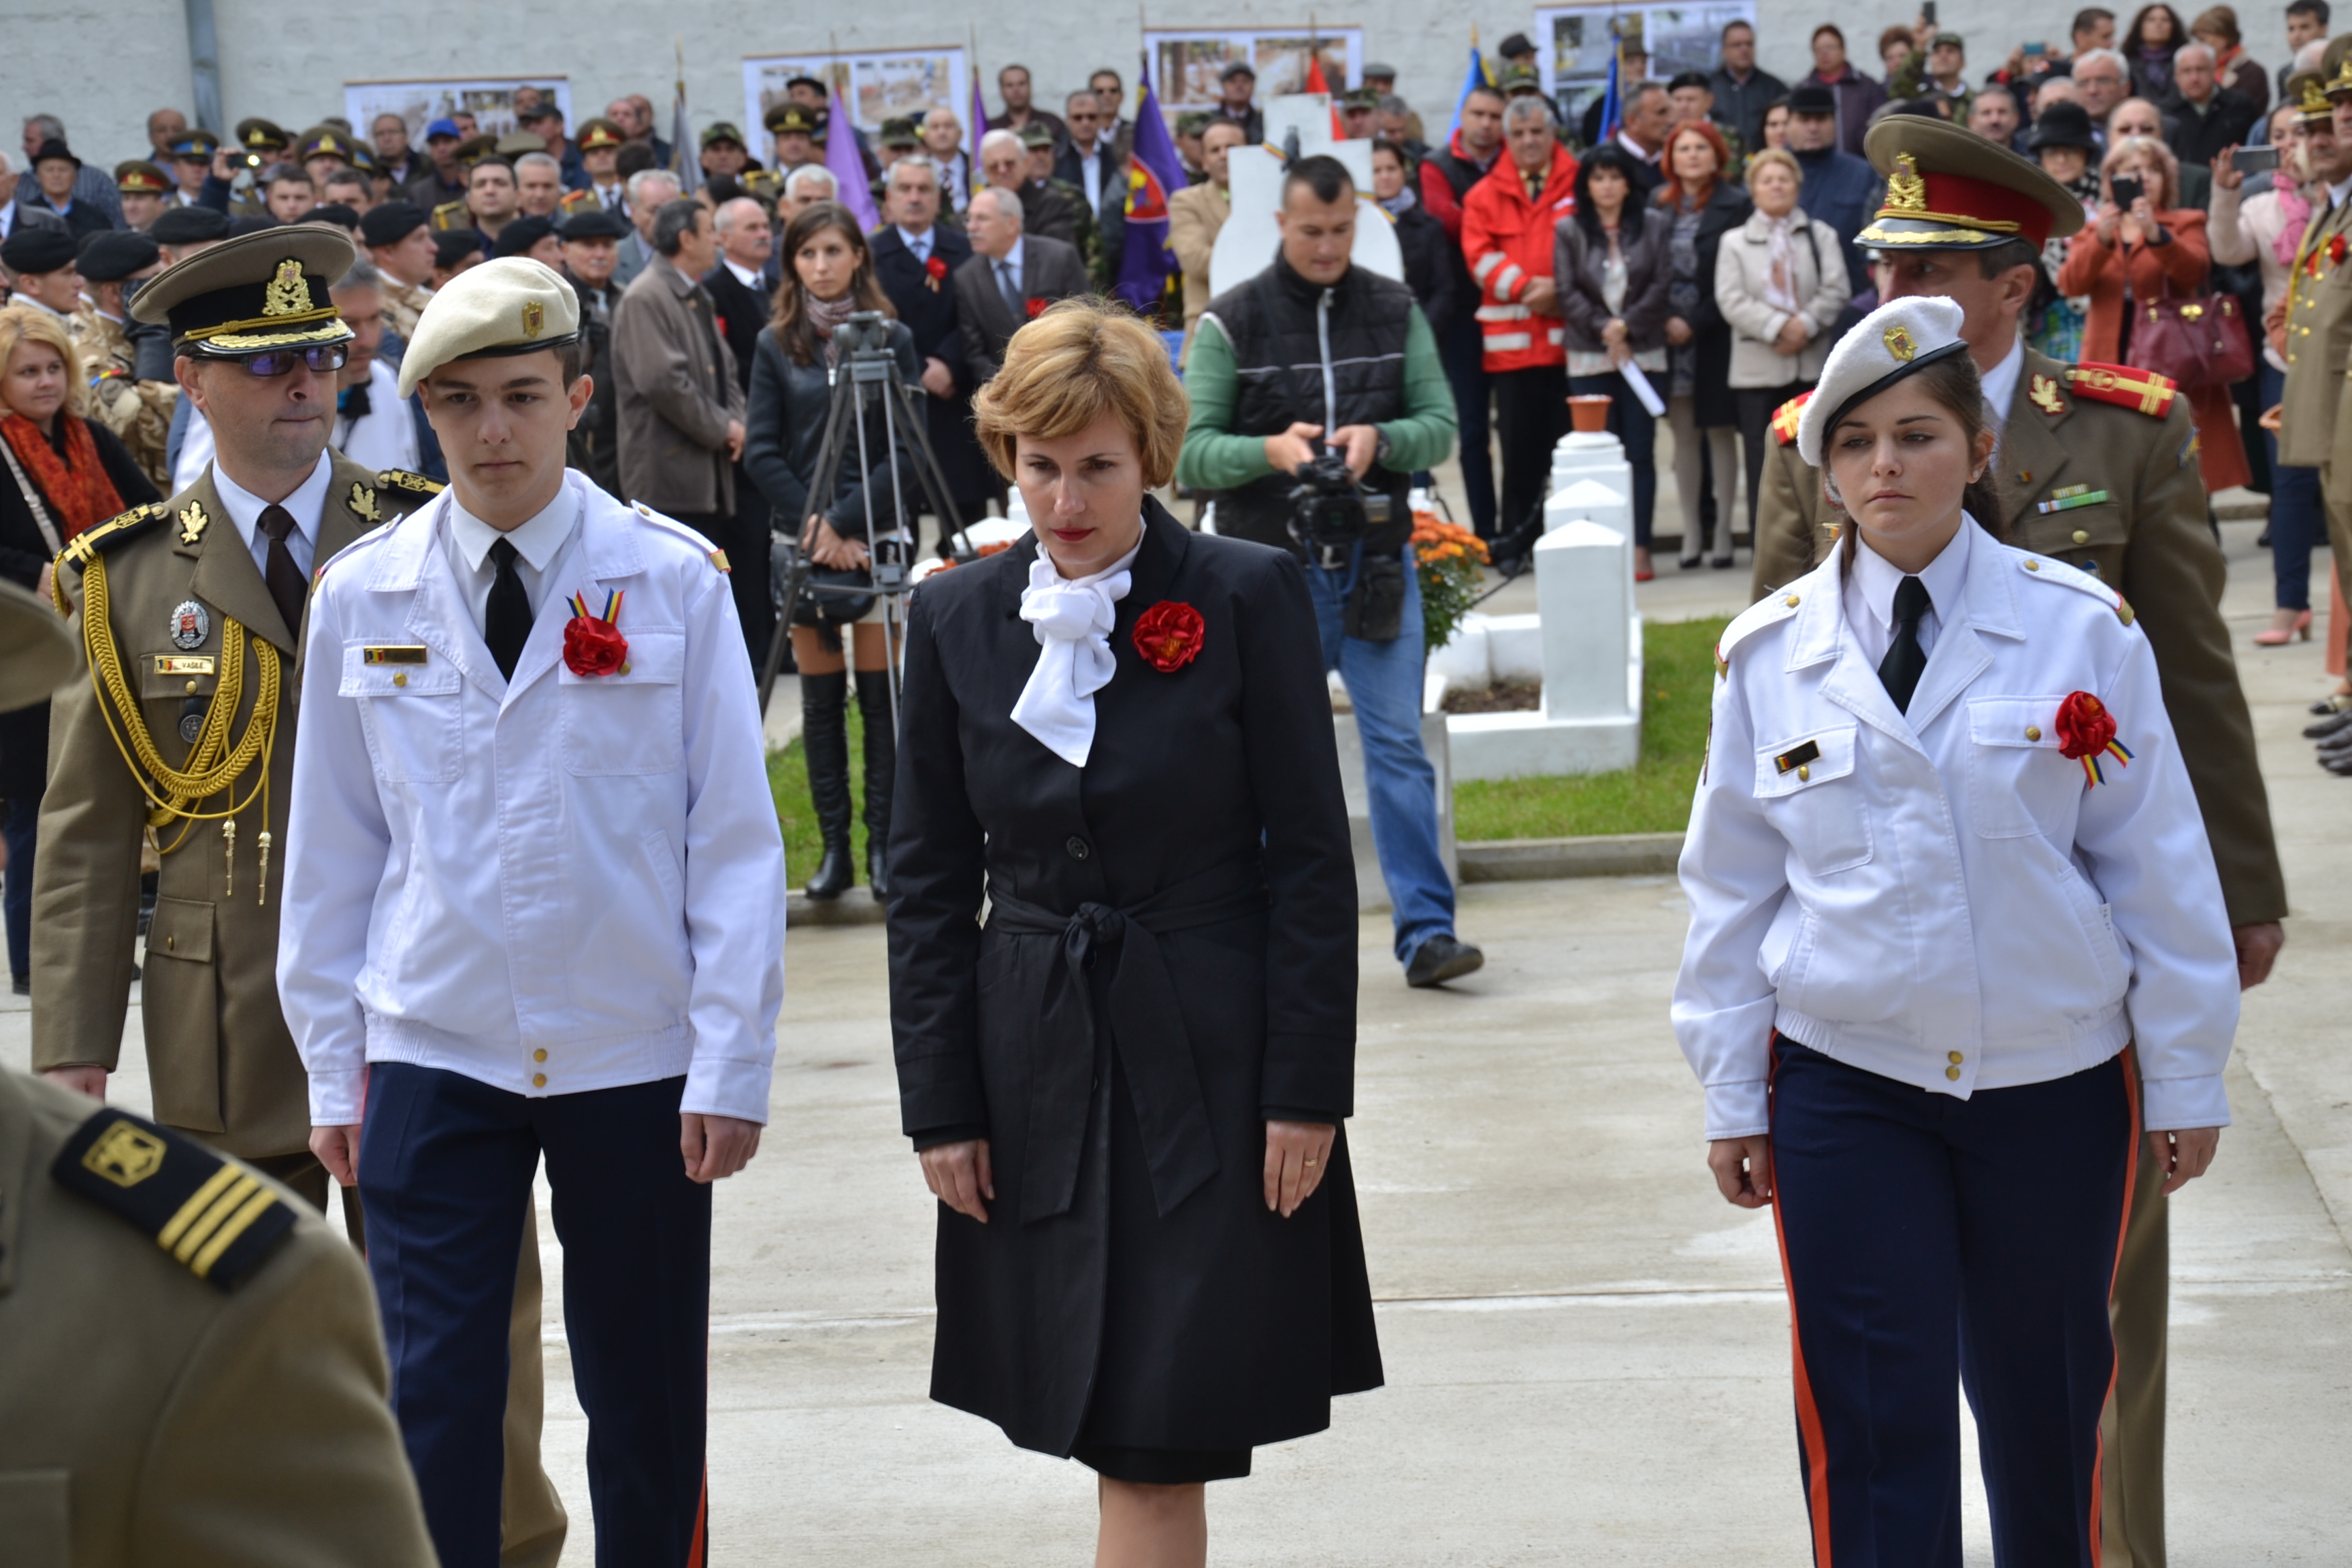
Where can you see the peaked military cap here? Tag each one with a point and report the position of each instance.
(257, 291)
(138, 177)
(900, 133)
(195, 144)
(325, 141)
(516, 143)
(597, 134)
(1947, 188)
(262, 136)
(720, 131)
(790, 117)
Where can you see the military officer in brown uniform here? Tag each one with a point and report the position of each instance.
(2098, 469)
(190, 613)
(2330, 316)
(139, 412)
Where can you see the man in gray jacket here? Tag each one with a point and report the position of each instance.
(681, 405)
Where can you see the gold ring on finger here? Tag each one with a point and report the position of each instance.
(1311, 1162)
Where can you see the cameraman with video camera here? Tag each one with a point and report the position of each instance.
(1316, 392)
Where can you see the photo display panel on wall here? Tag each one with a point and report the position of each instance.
(1186, 66)
(1573, 44)
(876, 84)
(490, 101)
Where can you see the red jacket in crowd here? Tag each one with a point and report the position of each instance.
(1506, 238)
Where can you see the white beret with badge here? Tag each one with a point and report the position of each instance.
(512, 305)
(1899, 338)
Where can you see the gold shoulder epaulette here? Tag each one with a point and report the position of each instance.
(452, 214)
(214, 1216)
(402, 480)
(113, 531)
(2126, 386)
(1784, 418)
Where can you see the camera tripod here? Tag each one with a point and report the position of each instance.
(864, 376)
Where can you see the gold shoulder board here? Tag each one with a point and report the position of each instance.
(214, 1217)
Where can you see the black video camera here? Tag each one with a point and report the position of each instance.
(1331, 513)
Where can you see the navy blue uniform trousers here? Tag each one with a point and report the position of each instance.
(1930, 1242)
(445, 1162)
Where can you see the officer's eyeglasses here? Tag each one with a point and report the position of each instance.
(281, 362)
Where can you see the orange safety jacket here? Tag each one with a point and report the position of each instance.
(1506, 238)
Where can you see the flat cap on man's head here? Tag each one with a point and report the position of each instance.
(254, 293)
(512, 305)
(189, 225)
(1239, 68)
(389, 223)
(452, 245)
(592, 223)
(1811, 97)
(32, 250)
(110, 254)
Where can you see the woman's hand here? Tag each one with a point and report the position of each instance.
(2227, 176)
(2184, 1155)
(1296, 1155)
(960, 1176)
(1612, 335)
(2272, 420)
(2106, 228)
(827, 548)
(1678, 332)
(1743, 1169)
(1792, 339)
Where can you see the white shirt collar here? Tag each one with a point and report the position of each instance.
(743, 274)
(1945, 577)
(538, 540)
(922, 244)
(304, 506)
(1999, 382)
(2339, 192)
(1012, 258)
(1636, 148)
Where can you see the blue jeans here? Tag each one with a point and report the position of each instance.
(1384, 683)
(18, 818)
(1638, 428)
(2298, 517)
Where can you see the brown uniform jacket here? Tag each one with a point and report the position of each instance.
(675, 388)
(155, 1418)
(2319, 337)
(218, 1053)
(1196, 216)
(2147, 538)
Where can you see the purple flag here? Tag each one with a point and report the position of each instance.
(1145, 264)
(847, 168)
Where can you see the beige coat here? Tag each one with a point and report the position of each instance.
(674, 387)
(1195, 217)
(2318, 339)
(1743, 267)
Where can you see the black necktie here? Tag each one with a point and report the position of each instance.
(1904, 661)
(287, 585)
(506, 624)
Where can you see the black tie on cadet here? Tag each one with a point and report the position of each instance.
(1905, 662)
(505, 620)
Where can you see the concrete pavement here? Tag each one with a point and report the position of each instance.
(1587, 1349)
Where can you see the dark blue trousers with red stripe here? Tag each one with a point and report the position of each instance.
(445, 1162)
(1932, 1243)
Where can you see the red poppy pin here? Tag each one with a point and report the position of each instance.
(592, 644)
(2336, 249)
(935, 272)
(2087, 734)
(1038, 308)
(1168, 635)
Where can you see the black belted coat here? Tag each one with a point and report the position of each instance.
(1169, 959)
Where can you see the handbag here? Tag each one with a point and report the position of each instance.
(2195, 341)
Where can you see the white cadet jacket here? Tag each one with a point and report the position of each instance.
(1942, 898)
(561, 884)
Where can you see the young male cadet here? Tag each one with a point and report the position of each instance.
(534, 904)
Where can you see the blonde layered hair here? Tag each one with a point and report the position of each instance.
(31, 324)
(1080, 360)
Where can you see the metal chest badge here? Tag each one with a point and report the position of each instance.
(190, 625)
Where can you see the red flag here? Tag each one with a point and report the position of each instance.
(1316, 83)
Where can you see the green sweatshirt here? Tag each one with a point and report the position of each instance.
(1216, 459)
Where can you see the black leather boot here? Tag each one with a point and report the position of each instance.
(825, 741)
(881, 770)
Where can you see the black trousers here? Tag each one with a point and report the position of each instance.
(445, 1162)
(1755, 406)
(1466, 372)
(1530, 416)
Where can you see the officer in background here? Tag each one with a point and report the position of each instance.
(190, 613)
(128, 363)
(191, 155)
(2329, 321)
(145, 189)
(2098, 469)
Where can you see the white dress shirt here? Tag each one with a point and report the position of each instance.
(385, 436)
(195, 449)
(1869, 586)
(1999, 384)
(537, 542)
(918, 246)
(743, 274)
(304, 506)
(1090, 167)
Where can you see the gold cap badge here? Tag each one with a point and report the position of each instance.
(288, 294)
(534, 318)
(1899, 344)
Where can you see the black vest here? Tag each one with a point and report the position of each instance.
(1278, 326)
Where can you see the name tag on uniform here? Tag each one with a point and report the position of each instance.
(1787, 762)
(410, 653)
(182, 663)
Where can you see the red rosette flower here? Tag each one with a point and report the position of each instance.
(1169, 635)
(593, 648)
(937, 267)
(2084, 726)
(1038, 308)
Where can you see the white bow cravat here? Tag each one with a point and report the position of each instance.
(1072, 617)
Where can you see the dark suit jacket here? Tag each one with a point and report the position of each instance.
(2196, 138)
(742, 311)
(1050, 270)
(1131, 1275)
(930, 314)
(1066, 166)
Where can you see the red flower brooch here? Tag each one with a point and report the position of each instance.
(2087, 734)
(935, 272)
(592, 645)
(1038, 308)
(1168, 635)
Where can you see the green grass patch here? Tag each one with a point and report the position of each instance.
(1653, 796)
(796, 814)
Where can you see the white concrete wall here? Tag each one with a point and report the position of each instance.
(102, 66)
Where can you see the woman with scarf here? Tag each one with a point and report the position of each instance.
(2217, 27)
(1701, 208)
(2267, 228)
(828, 276)
(2157, 34)
(66, 474)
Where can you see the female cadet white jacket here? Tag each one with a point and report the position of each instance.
(1941, 897)
(549, 885)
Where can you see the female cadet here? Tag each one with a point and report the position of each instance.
(1945, 873)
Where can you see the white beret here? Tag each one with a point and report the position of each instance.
(1899, 337)
(509, 306)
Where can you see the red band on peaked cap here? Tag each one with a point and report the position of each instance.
(1964, 199)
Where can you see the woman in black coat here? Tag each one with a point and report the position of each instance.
(60, 474)
(1126, 1087)
(828, 275)
(1430, 260)
(1610, 266)
(1698, 205)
